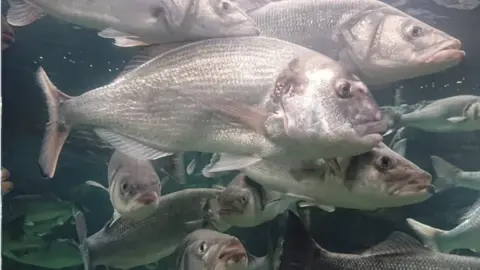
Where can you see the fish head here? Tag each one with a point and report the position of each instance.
(383, 178)
(8, 36)
(386, 45)
(206, 249)
(236, 205)
(217, 18)
(326, 107)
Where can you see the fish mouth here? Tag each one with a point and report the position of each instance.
(419, 184)
(447, 51)
(233, 252)
(7, 37)
(371, 127)
(226, 211)
(147, 198)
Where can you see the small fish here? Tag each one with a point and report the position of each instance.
(58, 254)
(245, 203)
(449, 176)
(7, 186)
(38, 208)
(8, 37)
(141, 22)
(465, 236)
(10, 242)
(129, 243)
(398, 251)
(207, 249)
(290, 104)
(133, 185)
(361, 35)
(377, 179)
(453, 114)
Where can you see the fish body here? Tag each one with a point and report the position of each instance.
(377, 179)
(362, 34)
(450, 176)
(141, 22)
(464, 236)
(245, 203)
(265, 103)
(8, 36)
(37, 208)
(453, 114)
(128, 243)
(57, 254)
(133, 185)
(207, 249)
(398, 251)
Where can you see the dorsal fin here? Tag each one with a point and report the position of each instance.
(145, 55)
(397, 243)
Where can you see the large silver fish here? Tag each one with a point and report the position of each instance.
(270, 99)
(128, 243)
(398, 251)
(380, 43)
(133, 185)
(377, 179)
(464, 236)
(141, 22)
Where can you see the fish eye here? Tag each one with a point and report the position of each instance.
(157, 12)
(416, 31)
(385, 162)
(344, 90)
(244, 199)
(124, 186)
(203, 247)
(226, 6)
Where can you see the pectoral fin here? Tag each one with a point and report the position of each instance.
(96, 184)
(122, 39)
(457, 119)
(229, 162)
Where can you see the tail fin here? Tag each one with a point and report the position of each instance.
(81, 226)
(56, 132)
(427, 234)
(447, 173)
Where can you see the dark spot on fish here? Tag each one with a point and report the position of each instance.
(158, 12)
(226, 6)
(290, 81)
(353, 167)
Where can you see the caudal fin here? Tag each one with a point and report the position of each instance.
(56, 131)
(427, 234)
(81, 226)
(447, 173)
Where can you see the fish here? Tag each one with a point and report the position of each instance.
(133, 185)
(130, 243)
(58, 254)
(8, 36)
(361, 35)
(380, 178)
(245, 203)
(398, 251)
(453, 114)
(450, 176)
(11, 242)
(207, 249)
(141, 22)
(7, 186)
(464, 236)
(288, 104)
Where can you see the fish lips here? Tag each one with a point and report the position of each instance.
(226, 211)
(148, 198)
(445, 52)
(415, 184)
(234, 251)
(7, 37)
(371, 127)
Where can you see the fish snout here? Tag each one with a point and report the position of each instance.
(148, 198)
(233, 251)
(446, 52)
(420, 182)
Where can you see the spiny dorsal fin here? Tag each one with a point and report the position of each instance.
(397, 243)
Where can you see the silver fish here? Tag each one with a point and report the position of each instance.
(129, 243)
(58, 254)
(207, 249)
(141, 22)
(362, 34)
(398, 251)
(271, 100)
(8, 37)
(133, 185)
(450, 176)
(380, 178)
(453, 114)
(465, 235)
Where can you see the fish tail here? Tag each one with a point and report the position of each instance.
(447, 173)
(56, 131)
(428, 235)
(22, 13)
(81, 227)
